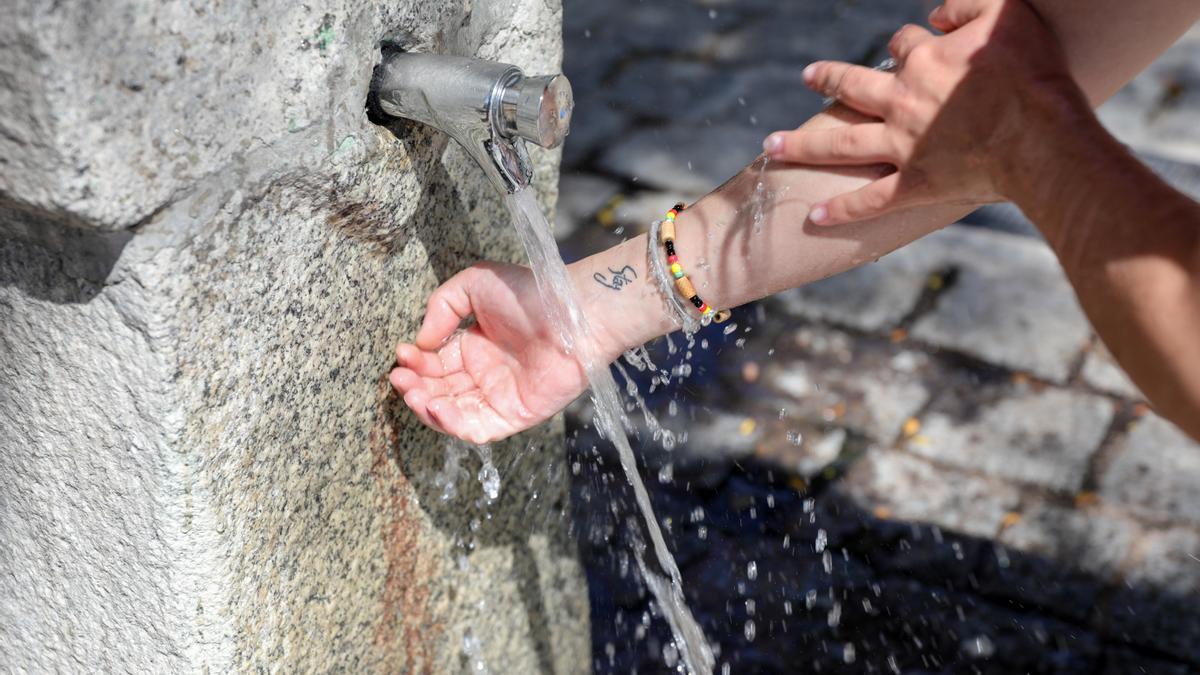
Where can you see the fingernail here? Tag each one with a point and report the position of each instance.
(819, 214)
(773, 144)
(810, 72)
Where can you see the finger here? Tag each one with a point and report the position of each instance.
(417, 401)
(866, 90)
(469, 418)
(870, 201)
(449, 305)
(405, 380)
(955, 14)
(856, 144)
(905, 39)
(425, 363)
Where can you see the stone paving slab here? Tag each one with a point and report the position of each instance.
(873, 297)
(1089, 541)
(1010, 304)
(911, 489)
(855, 31)
(1156, 474)
(1045, 438)
(1157, 608)
(1101, 371)
(1157, 111)
(871, 387)
(694, 159)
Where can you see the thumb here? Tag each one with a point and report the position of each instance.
(448, 306)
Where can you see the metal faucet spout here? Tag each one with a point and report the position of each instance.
(490, 108)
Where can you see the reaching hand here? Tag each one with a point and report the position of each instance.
(959, 114)
(505, 373)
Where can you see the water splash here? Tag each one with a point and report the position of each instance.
(758, 201)
(488, 476)
(558, 297)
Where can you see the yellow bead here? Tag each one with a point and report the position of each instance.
(677, 270)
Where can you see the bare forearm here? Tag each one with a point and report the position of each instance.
(1130, 245)
(731, 261)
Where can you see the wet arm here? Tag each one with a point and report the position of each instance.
(732, 264)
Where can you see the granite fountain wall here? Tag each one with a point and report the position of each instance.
(207, 253)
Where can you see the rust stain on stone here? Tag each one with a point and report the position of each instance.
(406, 619)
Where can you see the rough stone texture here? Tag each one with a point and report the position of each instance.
(1045, 438)
(871, 297)
(207, 254)
(873, 387)
(1101, 371)
(693, 159)
(907, 487)
(1092, 541)
(1156, 112)
(1009, 304)
(1157, 473)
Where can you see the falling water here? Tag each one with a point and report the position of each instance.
(558, 296)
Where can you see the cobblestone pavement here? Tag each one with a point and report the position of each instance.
(927, 464)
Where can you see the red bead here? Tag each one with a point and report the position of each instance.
(672, 259)
(703, 308)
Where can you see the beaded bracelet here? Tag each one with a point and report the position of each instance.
(682, 283)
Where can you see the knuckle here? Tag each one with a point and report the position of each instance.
(848, 144)
(920, 57)
(873, 200)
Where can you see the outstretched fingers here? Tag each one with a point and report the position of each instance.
(857, 144)
(867, 91)
(873, 200)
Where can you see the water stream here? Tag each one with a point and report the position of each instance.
(558, 296)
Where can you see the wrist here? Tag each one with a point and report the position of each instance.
(1057, 121)
(620, 298)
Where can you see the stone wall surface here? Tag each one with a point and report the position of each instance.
(207, 253)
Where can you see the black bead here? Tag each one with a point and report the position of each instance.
(696, 301)
(670, 247)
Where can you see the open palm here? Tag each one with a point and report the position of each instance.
(505, 373)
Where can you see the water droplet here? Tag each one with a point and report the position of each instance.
(835, 615)
(821, 542)
(848, 653)
(750, 630)
(979, 647)
(752, 570)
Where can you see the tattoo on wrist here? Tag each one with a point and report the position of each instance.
(616, 279)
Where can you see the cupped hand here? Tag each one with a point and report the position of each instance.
(957, 117)
(505, 373)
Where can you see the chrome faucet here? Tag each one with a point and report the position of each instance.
(487, 107)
